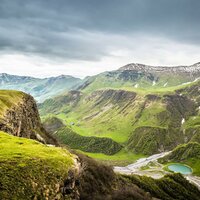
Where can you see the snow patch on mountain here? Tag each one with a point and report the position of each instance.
(136, 85)
(165, 84)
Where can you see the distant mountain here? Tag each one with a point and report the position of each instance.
(40, 89)
(133, 76)
(192, 69)
(140, 76)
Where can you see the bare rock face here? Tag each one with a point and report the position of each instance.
(23, 120)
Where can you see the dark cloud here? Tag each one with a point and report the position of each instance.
(88, 29)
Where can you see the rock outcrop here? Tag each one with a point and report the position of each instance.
(22, 120)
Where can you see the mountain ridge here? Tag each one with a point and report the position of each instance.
(143, 67)
(39, 88)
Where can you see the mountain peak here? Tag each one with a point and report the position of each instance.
(148, 68)
(196, 64)
(3, 74)
(134, 66)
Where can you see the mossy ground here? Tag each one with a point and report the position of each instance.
(144, 87)
(30, 169)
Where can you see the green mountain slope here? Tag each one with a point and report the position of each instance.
(87, 144)
(31, 170)
(139, 76)
(65, 135)
(145, 109)
(144, 123)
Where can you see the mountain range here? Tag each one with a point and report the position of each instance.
(40, 89)
(162, 106)
(128, 77)
(140, 76)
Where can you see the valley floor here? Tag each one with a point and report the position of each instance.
(137, 166)
(151, 167)
(122, 158)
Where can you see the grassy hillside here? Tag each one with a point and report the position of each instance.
(129, 118)
(122, 158)
(163, 106)
(9, 98)
(187, 154)
(138, 79)
(31, 170)
(87, 144)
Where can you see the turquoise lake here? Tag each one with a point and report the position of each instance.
(180, 168)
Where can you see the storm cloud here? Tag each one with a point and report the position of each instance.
(81, 29)
(90, 30)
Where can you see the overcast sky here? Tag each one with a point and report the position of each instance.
(84, 37)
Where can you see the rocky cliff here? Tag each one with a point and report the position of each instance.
(22, 119)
